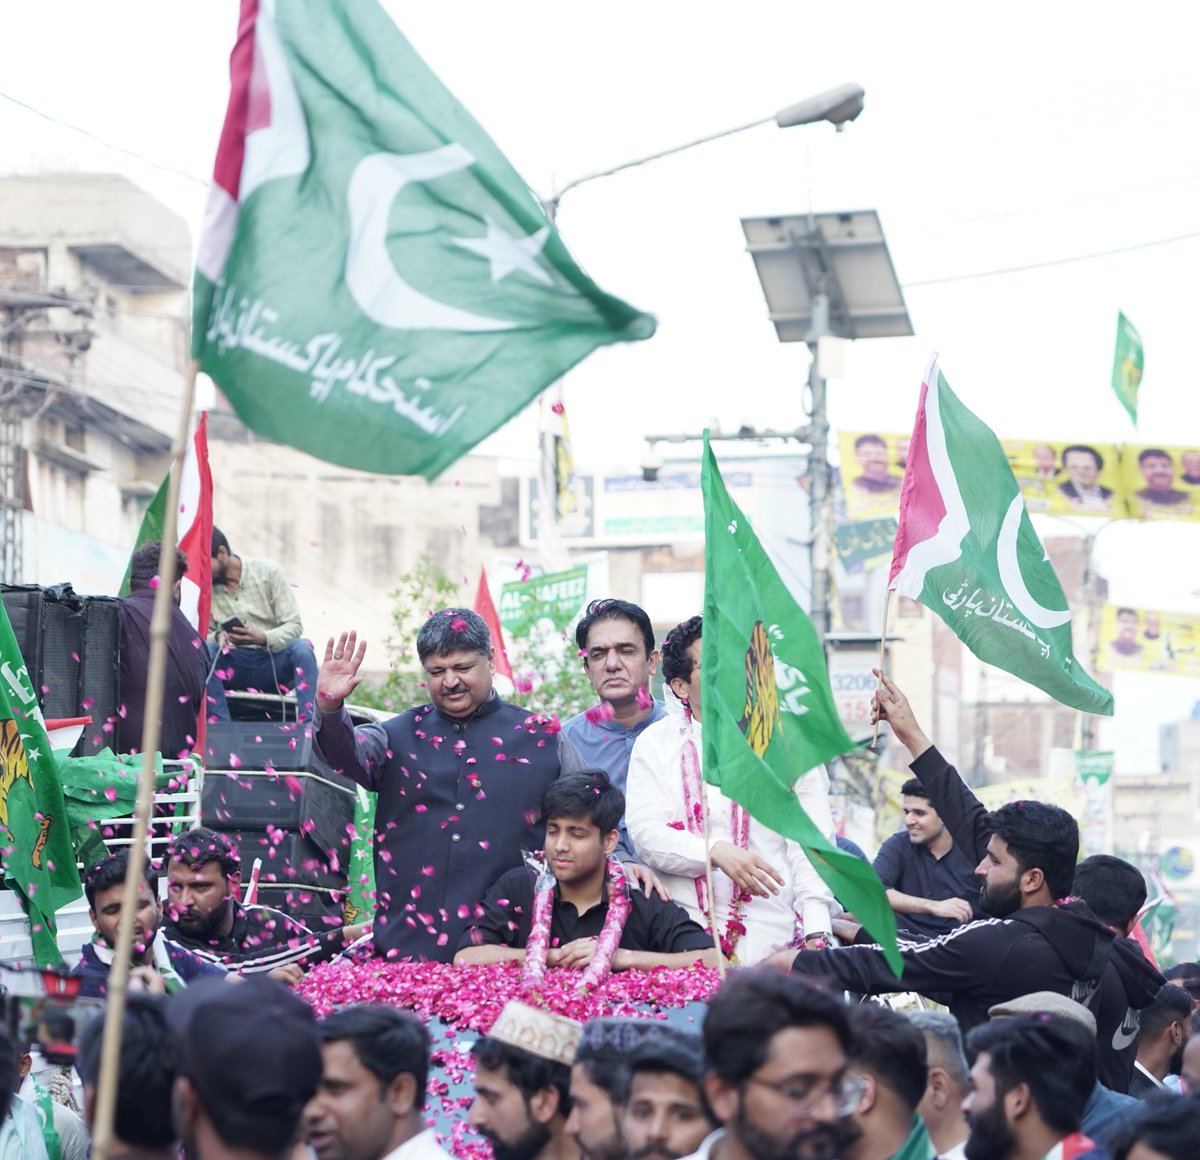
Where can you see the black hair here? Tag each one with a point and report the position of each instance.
(865, 440)
(8, 1070)
(1113, 888)
(1087, 451)
(1053, 1056)
(145, 1071)
(143, 565)
(600, 610)
(1171, 1003)
(587, 793)
(529, 1073)
(751, 1006)
(1129, 611)
(453, 630)
(1153, 453)
(200, 846)
(606, 1069)
(888, 1046)
(1040, 837)
(914, 787)
(1187, 976)
(219, 541)
(388, 1042)
(670, 1051)
(1164, 1122)
(110, 872)
(675, 659)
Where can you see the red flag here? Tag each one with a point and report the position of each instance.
(486, 609)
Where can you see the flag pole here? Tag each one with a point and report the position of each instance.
(887, 607)
(118, 976)
(708, 878)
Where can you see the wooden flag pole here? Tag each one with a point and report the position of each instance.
(160, 622)
(887, 606)
(708, 878)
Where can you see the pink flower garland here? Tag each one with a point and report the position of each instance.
(739, 824)
(537, 946)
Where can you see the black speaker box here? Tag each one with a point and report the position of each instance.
(318, 909)
(290, 859)
(71, 645)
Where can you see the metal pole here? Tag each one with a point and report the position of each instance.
(818, 470)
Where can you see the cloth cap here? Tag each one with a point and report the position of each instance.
(612, 1038)
(1045, 1003)
(553, 1037)
(252, 1045)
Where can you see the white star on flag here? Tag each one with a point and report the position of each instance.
(507, 254)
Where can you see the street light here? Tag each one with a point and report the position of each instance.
(837, 106)
(825, 275)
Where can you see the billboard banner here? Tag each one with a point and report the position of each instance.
(1143, 640)
(1058, 478)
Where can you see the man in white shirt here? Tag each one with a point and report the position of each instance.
(375, 1061)
(763, 882)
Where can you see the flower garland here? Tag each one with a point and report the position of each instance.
(537, 946)
(739, 824)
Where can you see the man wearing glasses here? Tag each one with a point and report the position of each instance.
(776, 1073)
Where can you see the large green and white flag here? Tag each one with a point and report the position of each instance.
(1129, 360)
(35, 835)
(375, 284)
(769, 713)
(966, 548)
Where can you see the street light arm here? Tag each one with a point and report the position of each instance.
(551, 203)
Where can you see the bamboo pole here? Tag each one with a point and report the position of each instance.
(708, 877)
(887, 606)
(118, 975)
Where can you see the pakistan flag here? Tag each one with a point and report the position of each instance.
(375, 284)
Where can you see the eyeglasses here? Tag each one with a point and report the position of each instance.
(805, 1096)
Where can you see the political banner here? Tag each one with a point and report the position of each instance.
(1161, 483)
(1067, 479)
(864, 542)
(557, 595)
(872, 471)
(1094, 768)
(1143, 640)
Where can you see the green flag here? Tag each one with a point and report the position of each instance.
(769, 715)
(39, 861)
(1129, 360)
(966, 549)
(376, 285)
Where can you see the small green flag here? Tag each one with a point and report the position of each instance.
(769, 714)
(35, 835)
(376, 285)
(1129, 360)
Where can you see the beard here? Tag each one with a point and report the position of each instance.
(204, 927)
(525, 1147)
(611, 1149)
(991, 1138)
(819, 1142)
(1000, 901)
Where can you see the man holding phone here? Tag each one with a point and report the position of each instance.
(254, 632)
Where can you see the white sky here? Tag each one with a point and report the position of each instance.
(993, 136)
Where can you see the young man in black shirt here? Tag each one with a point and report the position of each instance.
(582, 812)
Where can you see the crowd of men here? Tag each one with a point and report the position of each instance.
(782, 1068)
(1062, 1039)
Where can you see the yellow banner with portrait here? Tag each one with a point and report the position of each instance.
(1143, 640)
(1067, 479)
(1161, 483)
(1056, 478)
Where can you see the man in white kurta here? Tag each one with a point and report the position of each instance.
(782, 883)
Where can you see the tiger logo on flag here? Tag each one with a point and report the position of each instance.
(14, 765)
(760, 717)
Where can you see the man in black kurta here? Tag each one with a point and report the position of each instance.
(459, 783)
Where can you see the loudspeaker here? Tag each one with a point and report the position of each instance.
(71, 645)
(318, 909)
(292, 859)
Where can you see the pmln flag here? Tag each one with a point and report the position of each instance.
(375, 284)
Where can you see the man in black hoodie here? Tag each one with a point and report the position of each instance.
(1036, 940)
